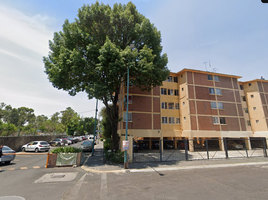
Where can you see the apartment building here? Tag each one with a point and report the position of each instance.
(195, 104)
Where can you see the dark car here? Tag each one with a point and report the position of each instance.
(87, 145)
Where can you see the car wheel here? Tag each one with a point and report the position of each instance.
(58, 144)
(36, 150)
(23, 149)
(7, 162)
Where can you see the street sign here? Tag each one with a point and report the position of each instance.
(125, 145)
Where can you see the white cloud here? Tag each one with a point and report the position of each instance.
(24, 41)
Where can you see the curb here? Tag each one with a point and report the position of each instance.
(88, 169)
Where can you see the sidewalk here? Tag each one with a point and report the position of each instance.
(95, 164)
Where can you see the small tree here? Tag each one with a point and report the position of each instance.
(93, 54)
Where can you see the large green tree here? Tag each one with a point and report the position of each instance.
(93, 53)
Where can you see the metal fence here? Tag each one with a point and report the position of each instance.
(197, 149)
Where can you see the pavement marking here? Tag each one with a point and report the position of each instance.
(73, 192)
(103, 190)
(24, 168)
(36, 167)
(10, 169)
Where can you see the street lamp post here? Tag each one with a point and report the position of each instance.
(96, 112)
(125, 157)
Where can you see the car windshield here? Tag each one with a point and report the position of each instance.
(6, 148)
(87, 143)
(44, 143)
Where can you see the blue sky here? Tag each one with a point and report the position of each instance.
(231, 35)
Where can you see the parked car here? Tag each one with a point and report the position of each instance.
(135, 146)
(7, 158)
(58, 142)
(87, 145)
(232, 145)
(36, 146)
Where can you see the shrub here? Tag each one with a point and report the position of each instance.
(115, 157)
(66, 150)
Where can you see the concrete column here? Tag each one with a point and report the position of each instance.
(130, 151)
(150, 143)
(221, 144)
(191, 144)
(247, 143)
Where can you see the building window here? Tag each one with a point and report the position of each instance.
(244, 98)
(211, 91)
(169, 79)
(241, 87)
(181, 76)
(252, 96)
(222, 120)
(254, 108)
(171, 106)
(249, 84)
(246, 110)
(176, 92)
(183, 103)
(215, 120)
(220, 105)
(170, 92)
(130, 83)
(176, 79)
(257, 121)
(248, 122)
(171, 120)
(218, 91)
(164, 105)
(178, 120)
(164, 120)
(210, 77)
(182, 89)
(216, 78)
(184, 118)
(213, 105)
(164, 91)
(129, 117)
(177, 106)
(129, 99)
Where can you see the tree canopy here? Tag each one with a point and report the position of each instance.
(93, 53)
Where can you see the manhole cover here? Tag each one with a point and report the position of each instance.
(11, 198)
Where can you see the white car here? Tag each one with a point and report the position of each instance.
(36, 146)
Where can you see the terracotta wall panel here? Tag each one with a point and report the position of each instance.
(229, 109)
(235, 83)
(140, 121)
(203, 93)
(192, 107)
(204, 108)
(225, 82)
(157, 121)
(202, 79)
(265, 86)
(193, 123)
(156, 106)
(237, 96)
(206, 123)
(227, 95)
(189, 78)
(156, 91)
(243, 124)
(191, 91)
(260, 86)
(262, 98)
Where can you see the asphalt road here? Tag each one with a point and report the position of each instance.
(23, 179)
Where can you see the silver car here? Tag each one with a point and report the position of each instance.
(87, 145)
(7, 158)
(36, 146)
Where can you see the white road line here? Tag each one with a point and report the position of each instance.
(72, 194)
(103, 190)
